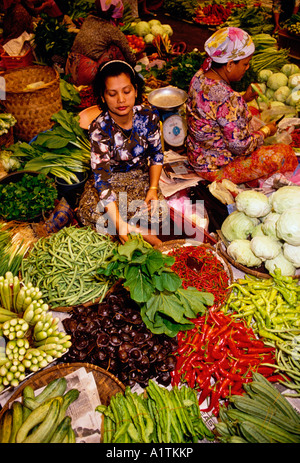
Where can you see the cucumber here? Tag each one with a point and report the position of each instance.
(6, 427)
(71, 436)
(44, 432)
(17, 420)
(68, 398)
(56, 387)
(36, 417)
(61, 431)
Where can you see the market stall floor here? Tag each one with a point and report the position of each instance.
(183, 31)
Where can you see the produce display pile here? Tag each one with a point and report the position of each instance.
(27, 198)
(265, 229)
(33, 338)
(40, 418)
(64, 265)
(201, 356)
(113, 336)
(162, 416)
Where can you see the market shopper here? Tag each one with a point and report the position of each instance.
(16, 20)
(283, 10)
(220, 142)
(122, 196)
(98, 40)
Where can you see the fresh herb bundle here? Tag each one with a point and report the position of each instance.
(27, 198)
(166, 307)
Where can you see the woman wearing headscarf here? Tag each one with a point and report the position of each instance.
(99, 40)
(220, 142)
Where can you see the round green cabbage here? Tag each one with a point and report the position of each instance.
(285, 198)
(289, 69)
(276, 80)
(167, 29)
(264, 74)
(286, 267)
(257, 231)
(265, 247)
(241, 252)
(282, 93)
(253, 203)
(288, 226)
(238, 226)
(294, 80)
(157, 30)
(142, 28)
(292, 253)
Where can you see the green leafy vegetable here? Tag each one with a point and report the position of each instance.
(166, 307)
(27, 198)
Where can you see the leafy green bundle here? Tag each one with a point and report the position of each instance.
(166, 307)
(27, 198)
(60, 151)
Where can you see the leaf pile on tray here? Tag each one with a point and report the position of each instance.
(61, 151)
(166, 307)
(113, 336)
(27, 198)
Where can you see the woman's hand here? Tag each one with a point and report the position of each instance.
(273, 128)
(151, 200)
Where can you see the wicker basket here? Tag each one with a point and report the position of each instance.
(7, 139)
(32, 108)
(107, 384)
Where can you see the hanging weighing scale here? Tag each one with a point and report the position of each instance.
(169, 101)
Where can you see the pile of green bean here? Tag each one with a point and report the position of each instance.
(159, 416)
(272, 307)
(64, 266)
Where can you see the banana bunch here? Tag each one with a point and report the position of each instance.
(15, 328)
(40, 418)
(12, 372)
(16, 349)
(32, 335)
(35, 359)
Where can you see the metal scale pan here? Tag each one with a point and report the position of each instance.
(169, 100)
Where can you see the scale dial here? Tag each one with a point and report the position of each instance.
(174, 130)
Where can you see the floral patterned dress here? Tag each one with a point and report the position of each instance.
(220, 143)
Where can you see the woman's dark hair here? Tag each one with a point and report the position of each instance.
(113, 69)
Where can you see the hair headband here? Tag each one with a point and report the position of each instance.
(118, 61)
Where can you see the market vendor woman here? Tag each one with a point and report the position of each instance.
(123, 195)
(98, 40)
(220, 142)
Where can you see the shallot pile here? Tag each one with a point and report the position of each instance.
(113, 336)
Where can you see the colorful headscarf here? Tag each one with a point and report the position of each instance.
(104, 5)
(228, 43)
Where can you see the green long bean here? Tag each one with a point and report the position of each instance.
(64, 266)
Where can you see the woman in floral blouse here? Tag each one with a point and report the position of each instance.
(126, 157)
(220, 142)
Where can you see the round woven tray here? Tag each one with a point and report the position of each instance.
(33, 108)
(175, 244)
(107, 384)
(258, 272)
